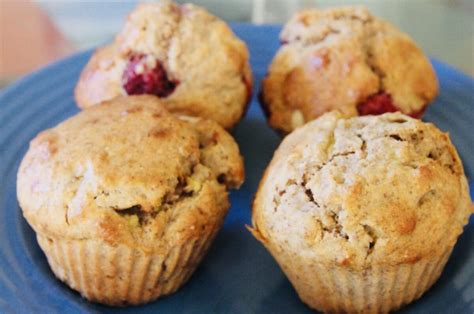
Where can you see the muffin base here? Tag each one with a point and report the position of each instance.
(120, 275)
(378, 289)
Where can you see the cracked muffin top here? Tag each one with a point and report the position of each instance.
(127, 171)
(385, 189)
(345, 59)
(180, 53)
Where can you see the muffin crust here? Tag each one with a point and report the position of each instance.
(205, 62)
(362, 214)
(338, 59)
(129, 172)
(363, 191)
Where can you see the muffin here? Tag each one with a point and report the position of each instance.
(362, 213)
(348, 60)
(180, 53)
(126, 198)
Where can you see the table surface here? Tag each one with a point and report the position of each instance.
(443, 28)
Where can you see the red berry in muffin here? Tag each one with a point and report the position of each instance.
(377, 104)
(146, 75)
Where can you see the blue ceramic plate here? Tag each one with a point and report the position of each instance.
(238, 275)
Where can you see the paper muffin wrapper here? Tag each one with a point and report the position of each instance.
(120, 275)
(376, 290)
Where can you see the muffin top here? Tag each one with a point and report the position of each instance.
(180, 53)
(385, 189)
(346, 59)
(127, 171)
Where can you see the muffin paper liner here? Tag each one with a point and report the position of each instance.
(120, 275)
(378, 289)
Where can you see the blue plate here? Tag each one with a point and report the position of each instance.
(238, 275)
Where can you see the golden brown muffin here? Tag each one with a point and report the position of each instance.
(126, 198)
(180, 53)
(362, 213)
(345, 59)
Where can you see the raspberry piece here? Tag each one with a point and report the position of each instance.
(377, 104)
(144, 77)
(381, 103)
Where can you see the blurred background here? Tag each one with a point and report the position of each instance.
(36, 32)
